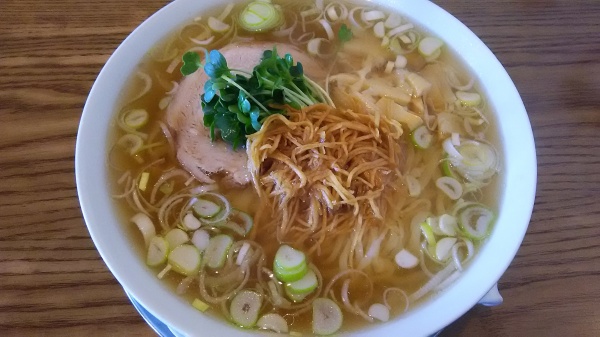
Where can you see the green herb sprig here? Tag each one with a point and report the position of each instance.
(236, 105)
(344, 34)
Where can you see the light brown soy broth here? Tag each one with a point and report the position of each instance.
(155, 65)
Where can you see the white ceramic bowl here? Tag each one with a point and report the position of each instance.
(515, 200)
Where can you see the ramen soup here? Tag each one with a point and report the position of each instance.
(304, 167)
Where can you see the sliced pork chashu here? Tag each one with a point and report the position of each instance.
(195, 151)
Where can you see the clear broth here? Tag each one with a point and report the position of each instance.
(244, 198)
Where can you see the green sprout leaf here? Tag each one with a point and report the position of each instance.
(344, 34)
(191, 63)
(254, 114)
(236, 105)
(216, 65)
(297, 70)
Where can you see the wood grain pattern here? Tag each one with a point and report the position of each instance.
(53, 282)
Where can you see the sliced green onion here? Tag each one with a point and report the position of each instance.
(245, 307)
(157, 251)
(290, 264)
(331, 13)
(239, 222)
(327, 28)
(476, 221)
(447, 170)
(242, 253)
(379, 312)
(216, 252)
(379, 29)
(185, 259)
(451, 150)
(404, 259)
(201, 239)
(413, 185)
(428, 233)
(455, 138)
(275, 292)
(245, 220)
(136, 118)
(327, 316)
(393, 20)
(385, 41)
(296, 298)
(290, 275)
(430, 48)
(165, 101)
(448, 224)
(145, 225)
(421, 137)
(204, 211)
(400, 61)
(373, 15)
(144, 181)
(305, 285)
(260, 16)
(443, 248)
(405, 39)
(217, 25)
(314, 46)
(190, 222)
(335, 11)
(472, 160)
(176, 237)
(434, 224)
(429, 250)
(400, 30)
(198, 304)
(132, 143)
(205, 208)
(468, 98)
(273, 322)
(450, 186)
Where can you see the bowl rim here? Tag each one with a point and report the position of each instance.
(518, 192)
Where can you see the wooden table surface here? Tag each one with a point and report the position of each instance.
(53, 282)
